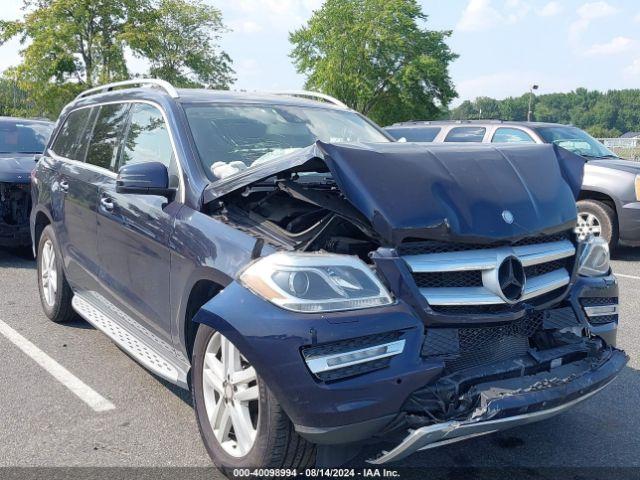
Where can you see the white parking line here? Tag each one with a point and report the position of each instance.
(84, 392)
(621, 275)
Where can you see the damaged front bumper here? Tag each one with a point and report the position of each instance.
(528, 390)
(15, 205)
(14, 235)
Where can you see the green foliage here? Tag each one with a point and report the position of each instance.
(71, 45)
(603, 115)
(179, 39)
(377, 57)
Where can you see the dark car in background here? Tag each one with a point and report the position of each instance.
(316, 285)
(21, 141)
(609, 203)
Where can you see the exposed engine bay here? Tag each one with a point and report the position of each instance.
(15, 205)
(305, 213)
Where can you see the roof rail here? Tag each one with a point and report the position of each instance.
(312, 95)
(449, 122)
(144, 82)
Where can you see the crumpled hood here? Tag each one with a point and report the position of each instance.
(16, 168)
(444, 192)
(458, 191)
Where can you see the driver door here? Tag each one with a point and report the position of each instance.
(134, 230)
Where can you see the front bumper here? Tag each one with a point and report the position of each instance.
(14, 235)
(362, 406)
(516, 401)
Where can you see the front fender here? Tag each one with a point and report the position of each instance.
(271, 339)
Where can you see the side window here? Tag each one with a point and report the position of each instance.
(148, 140)
(511, 135)
(417, 134)
(71, 141)
(466, 134)
(106, 136)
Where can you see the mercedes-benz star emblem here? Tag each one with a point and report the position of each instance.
(507, 216)
(511, 279)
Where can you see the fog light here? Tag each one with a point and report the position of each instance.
(355, 357)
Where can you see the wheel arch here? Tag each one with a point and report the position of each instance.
(41, 220)
(604, 198)
(599, 196)
(202, 289)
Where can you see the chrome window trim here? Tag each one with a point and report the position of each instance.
(181, 186)
(86, 165)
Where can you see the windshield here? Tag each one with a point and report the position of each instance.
(231, 139)
(23, 137)
(576, 141)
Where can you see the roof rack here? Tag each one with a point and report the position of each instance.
(144, 82)
(312, 95)
(447, 122)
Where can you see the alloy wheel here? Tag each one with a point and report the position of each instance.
(588, 226)
(231, 396)
(48, 273)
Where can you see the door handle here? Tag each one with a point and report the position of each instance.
(107, 204)
(64, 186)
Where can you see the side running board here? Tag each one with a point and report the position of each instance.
(145, 347)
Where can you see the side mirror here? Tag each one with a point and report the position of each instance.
(151, 178)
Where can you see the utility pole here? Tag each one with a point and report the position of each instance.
(530, 112)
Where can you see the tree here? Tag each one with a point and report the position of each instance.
(179, 38)
(603, 114)
(377, 57)
(71, 45)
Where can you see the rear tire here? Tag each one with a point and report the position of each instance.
(55, 292)
(598, 219)
(276, 443)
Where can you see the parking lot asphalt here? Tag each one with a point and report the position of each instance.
(151, 424)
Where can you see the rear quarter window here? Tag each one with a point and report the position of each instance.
(466, 134)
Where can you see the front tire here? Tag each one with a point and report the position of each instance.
(597, 219)
(240, 421)
(55, 292)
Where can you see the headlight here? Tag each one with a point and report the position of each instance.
(315, 282)
(594, 261)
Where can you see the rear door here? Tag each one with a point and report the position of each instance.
(74, 196)
(134, 230)
(82, 182)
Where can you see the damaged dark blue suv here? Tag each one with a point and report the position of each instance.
(316, 285)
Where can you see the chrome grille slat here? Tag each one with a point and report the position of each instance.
(486, 260)
(449, 297)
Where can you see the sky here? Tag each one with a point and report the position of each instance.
(505, 46)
